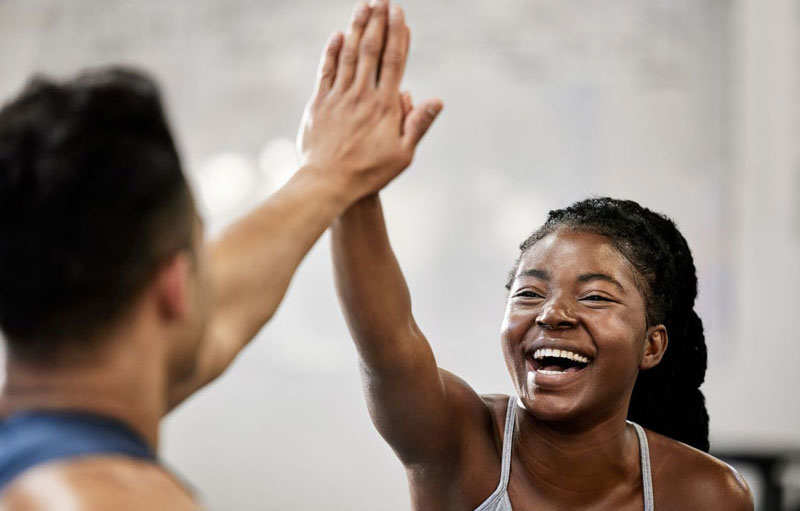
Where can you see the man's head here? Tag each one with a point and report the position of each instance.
(93, 206)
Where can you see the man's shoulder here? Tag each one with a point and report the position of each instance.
(687, 478)
(96, 483)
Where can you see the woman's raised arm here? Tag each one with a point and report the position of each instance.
(418, 408)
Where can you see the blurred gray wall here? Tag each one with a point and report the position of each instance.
(688, 106)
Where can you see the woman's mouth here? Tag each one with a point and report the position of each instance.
(556, 361)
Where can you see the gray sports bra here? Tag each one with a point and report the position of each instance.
(499, 501)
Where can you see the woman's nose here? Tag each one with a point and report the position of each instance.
(556, 315)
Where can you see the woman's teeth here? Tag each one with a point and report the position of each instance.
(546, 371)
(557, 361)
(542, 353)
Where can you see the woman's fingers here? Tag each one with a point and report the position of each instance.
(348, 56)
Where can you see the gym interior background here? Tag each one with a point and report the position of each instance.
(691, 107)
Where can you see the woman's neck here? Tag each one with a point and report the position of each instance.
(575, 464)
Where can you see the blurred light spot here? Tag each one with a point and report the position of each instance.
(226, 182)
(417, 220)
(516, 217)
(312, 353)
(277, 163)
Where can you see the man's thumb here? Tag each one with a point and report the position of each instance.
(419, 120)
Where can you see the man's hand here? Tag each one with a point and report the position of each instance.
(357, 134)
(357, 128)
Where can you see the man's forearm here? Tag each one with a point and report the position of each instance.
(254, 260)
(251, 266)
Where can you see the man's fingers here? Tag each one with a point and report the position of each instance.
(395, 53)
(369, 52)
(327, 65)
(419, 120)
(348, 56)
(406, 102)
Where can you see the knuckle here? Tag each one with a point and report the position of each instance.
(356, 96)
(378, 103)
(326, 72)
(365, 98)
(314, 106)
(392, 57)
(359, 21)
(371, 47)
(349, 56)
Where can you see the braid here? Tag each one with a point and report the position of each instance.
(666, 398)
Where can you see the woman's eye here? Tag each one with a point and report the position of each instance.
(529, 294)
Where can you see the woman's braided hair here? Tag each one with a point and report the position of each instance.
(667, 398)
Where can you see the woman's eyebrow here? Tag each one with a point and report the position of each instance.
(587, 277)
(534, 272)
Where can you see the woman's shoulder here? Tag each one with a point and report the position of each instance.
(687, 478)
(496, 403)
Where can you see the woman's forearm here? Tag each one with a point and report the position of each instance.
(373, 291)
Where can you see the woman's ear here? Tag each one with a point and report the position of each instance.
(655, 346)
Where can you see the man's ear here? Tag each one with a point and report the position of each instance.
(172, 287)
(655, 347)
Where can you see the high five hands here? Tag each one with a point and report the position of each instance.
(357, 125)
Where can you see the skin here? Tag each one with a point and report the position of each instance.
(572, 447)
(200, 309)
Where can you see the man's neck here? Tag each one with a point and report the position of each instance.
(127, 381)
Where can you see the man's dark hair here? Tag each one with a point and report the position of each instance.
(92, 201)
(666, 398)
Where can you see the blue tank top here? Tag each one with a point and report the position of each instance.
(32, 438)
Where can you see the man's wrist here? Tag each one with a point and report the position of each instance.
(329, 183)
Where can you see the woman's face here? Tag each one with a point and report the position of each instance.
(575, 332)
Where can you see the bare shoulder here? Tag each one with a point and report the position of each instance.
(497, 404)
(686, 478)
(96, 483)
(463, 397)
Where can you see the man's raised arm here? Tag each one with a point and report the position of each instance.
(353, 140)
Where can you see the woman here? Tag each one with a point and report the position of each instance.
(599, 329)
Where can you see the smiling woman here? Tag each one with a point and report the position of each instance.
(656, 264)
(600, 338)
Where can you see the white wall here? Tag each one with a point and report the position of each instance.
(689, 106)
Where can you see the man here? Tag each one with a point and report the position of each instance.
(113, 309)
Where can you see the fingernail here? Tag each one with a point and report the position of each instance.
(395, 12)
(433, 110)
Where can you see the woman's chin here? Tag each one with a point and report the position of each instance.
(549, 408)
